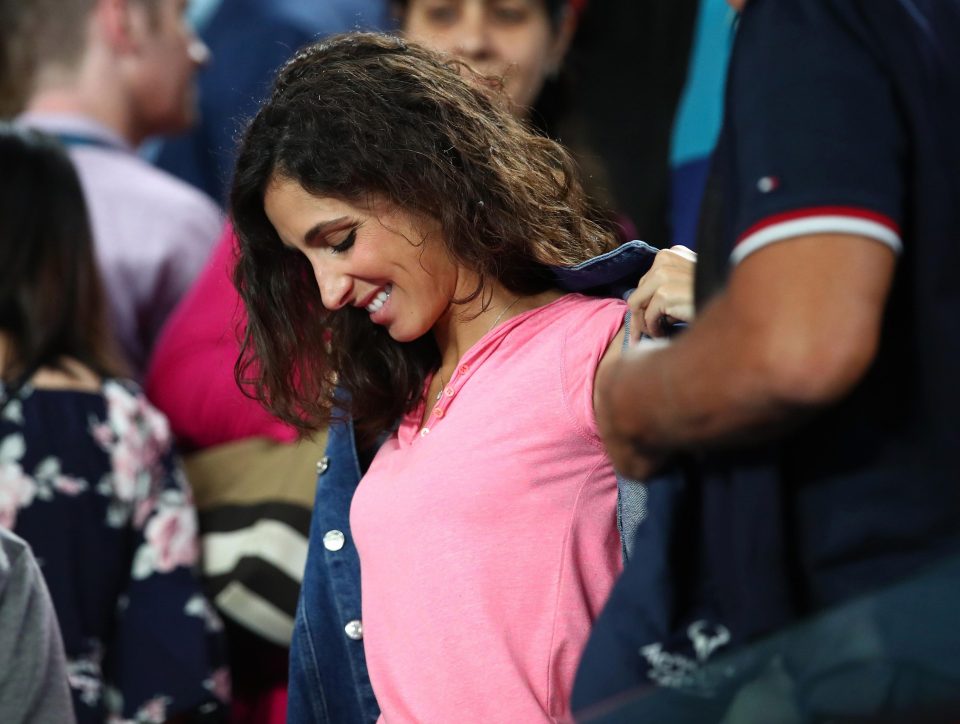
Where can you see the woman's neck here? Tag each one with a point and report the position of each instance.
(464, 325)
(73, 375)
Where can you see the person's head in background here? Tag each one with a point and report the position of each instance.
(13, 69)
(51, 309)
(522, 41)
(130, 64)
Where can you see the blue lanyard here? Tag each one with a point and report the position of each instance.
(79, 139)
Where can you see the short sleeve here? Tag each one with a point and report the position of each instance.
(818, 142)
(591, 328)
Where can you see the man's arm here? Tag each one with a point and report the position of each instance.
(796, 328)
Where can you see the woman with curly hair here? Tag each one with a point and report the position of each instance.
(401, 235)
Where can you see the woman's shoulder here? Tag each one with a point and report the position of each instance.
(583, 325)
(592, 334)
(71, 376)
(587, 305)
(572, 308)
(116, 403)
(586, 317)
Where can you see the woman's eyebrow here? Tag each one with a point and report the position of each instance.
(322, 228)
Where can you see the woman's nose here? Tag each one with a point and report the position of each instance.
(334, 287)
(473, 35)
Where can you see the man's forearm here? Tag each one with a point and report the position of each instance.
(796, 328)
(707, 388)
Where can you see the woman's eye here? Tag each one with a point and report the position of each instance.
(441, 14)
(512, 16)
(346, 243)
(511, 13)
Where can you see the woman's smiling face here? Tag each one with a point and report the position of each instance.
(378, 258)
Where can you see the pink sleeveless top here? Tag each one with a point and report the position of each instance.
(488, 539)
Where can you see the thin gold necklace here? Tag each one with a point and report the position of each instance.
(490, 329)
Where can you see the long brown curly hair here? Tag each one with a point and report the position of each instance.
(363, 116)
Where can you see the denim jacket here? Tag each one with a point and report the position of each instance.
(328, 671)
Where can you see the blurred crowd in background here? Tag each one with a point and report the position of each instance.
(170, 514)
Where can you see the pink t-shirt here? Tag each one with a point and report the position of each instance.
(488, 539)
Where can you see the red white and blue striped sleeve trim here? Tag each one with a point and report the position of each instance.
(818, 220)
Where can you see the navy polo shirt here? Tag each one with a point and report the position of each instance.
(842, 116)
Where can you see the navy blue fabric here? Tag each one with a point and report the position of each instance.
(852, 103)
(875, 93)
(249, 40)
(886, 657)
(107, 513)
(821, 117)
(328, 673)
(613, 274)
(640, 608)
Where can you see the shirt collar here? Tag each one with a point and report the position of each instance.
(76, 125)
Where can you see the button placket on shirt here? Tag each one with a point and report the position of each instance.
(449, 392)
(446, 398)
(459, 378)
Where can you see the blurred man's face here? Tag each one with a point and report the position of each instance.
(737, 4)
(170, 53)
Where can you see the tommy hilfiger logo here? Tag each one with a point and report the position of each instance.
(766, 184)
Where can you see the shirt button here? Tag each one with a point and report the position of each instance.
(322, 465)
(424, 432)
(463, 369)
(449, 392)
(354, 630)
(333, 540)
(438, 413)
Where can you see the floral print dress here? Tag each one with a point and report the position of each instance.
(90, 481)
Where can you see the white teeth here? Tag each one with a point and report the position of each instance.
(378, 301)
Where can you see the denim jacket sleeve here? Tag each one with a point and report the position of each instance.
(328, 671)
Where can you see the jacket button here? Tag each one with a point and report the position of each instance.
(322, 465)
(354, 630)
(333, 540)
